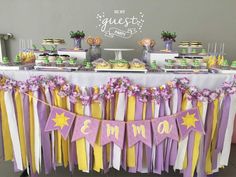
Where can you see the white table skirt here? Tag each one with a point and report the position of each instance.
(210, 81)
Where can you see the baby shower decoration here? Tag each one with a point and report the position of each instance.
(46, 120)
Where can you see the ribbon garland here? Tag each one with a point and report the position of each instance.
(100, 104)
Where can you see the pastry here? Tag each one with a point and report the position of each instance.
(137, 64)
(46, 61)
(72, 61)
(233, 65)
(47, 41)
(184, 44)
(88, 65)
(58, 41)
(59, 61)
(153, 65)
(101, 64)
(119, 64)
(196, 44)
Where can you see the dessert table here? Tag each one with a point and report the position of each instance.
(85, 78)
(47, 120)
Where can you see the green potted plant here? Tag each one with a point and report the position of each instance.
(168, 38)
(77, 36)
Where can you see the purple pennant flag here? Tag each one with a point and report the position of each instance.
(188, 121)
(86, 127)
(164, 127)
(139, 131)
(61, 120)
(113, 131)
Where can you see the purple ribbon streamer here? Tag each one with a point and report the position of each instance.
(174, 147)
(45, 137)
(188, 171)
(160, 147)
(139, 145)
(222, 129)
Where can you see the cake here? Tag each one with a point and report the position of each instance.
(137, 64)
(119, 64)
(233, 65)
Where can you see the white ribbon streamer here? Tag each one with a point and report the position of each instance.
(156, 115)
(87, 113)
(201, 147)
(37, 135)
(13, 129)
(120, 115)
(229, 133)
(182, 146)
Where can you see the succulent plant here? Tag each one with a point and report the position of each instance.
(77, 34)
(166, 35)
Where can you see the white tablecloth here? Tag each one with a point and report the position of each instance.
(210, 81)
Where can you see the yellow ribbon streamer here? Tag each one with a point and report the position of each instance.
(197, 141)
(61, 102)
(20, 121)
(7, 143)
(130, 117)
(208, 167)
(81, 143)
(98, 158)
(32, 145)
(108, 116)
(183, 108)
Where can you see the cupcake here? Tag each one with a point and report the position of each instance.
(40, 59)
(196, 64)
(65, 58)
(183, 64)
(169, 64)
(233, 65)
(5, 61)
(153, 65)
(72, 62)
(17, 60)
(52, 58)
(225, 65)
(46, 62)
(59, 62)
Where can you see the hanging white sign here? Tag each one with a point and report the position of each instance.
(120, 24)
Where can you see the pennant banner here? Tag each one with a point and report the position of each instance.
(113, 131)
(188, 121)
(60, 119)
(139, 131)
(164, 127)
(86, 127)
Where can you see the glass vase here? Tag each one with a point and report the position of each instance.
(78, 43)
(168, 45)
(94, 52)
(146, 51)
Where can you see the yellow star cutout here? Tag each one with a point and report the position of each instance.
(60, 120)
(189, 120)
